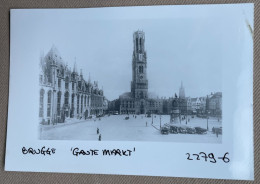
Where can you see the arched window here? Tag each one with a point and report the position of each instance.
(72, 105)
(67, 83)
(58, 103)
(140, 43)
(49, 104)
(41, 102)
(66, 99)
(81, 104)
(77, 104)
(136, 42)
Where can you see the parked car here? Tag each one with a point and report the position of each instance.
(182, 130)
(191, 130)
(173, 129)
(200, 130)
(126, 118)
(164, 130)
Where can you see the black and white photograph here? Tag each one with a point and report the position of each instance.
(133, 80)
(148, 90)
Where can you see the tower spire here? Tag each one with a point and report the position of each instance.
(75, 66)
(181, 91)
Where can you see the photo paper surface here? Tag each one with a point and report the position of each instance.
(159, 91)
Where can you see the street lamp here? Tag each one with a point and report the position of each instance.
(160, 122)
(152, 118)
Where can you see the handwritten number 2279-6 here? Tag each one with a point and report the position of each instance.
(207, 157)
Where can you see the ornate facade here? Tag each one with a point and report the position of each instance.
(64, 93)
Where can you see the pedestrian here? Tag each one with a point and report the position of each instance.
(97, 130)
(216, 132)
(146, 123)
(99, 137)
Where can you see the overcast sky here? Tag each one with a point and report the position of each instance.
(183, 43)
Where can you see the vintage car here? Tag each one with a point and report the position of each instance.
(191, 130)
(115, 113)
(182, 130)
(173, 129)
(164, 130)
(200, 130)
(127, 118)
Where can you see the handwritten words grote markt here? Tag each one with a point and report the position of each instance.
(105, 152)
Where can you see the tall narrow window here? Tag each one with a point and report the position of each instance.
(140, 43)
(49, 104)
(77, 104)
(85, 98)
(81, 104)
(72, 85)
(72, 105)
(66, 100)
(41, 102)
(58, 103)
(67, 83)
(136, 42)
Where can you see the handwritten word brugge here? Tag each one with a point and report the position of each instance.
(104, 152)
(208, 157)
(43, 151)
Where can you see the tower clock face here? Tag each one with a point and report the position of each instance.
(141, 77)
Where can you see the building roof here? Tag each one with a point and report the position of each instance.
(126, 95)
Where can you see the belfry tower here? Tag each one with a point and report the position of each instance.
(139, 84)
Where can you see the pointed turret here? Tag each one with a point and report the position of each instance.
(182, 91)
(75, 67)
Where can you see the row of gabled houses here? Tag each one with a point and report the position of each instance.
(210, 104)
